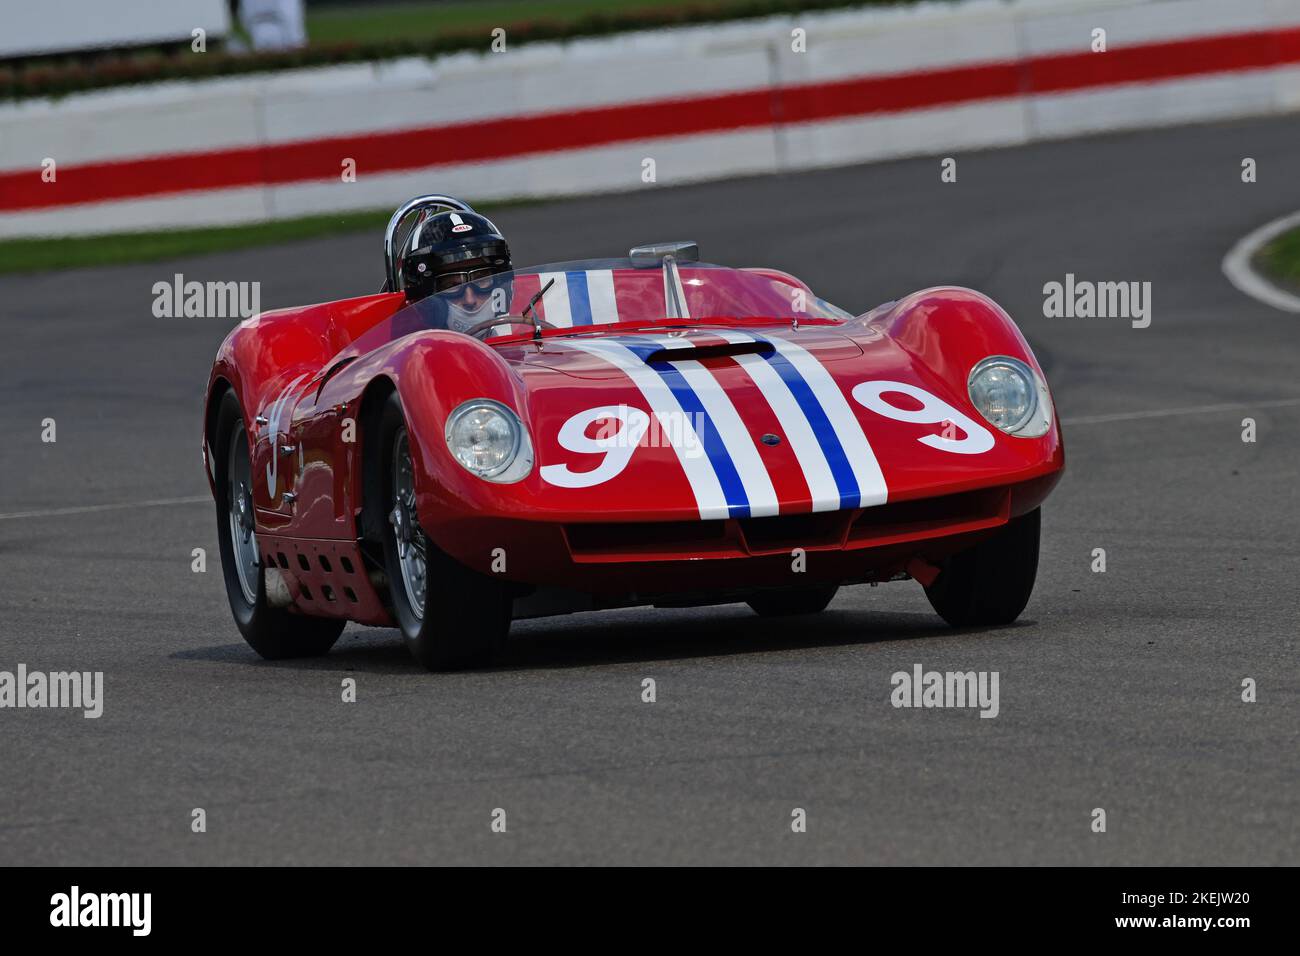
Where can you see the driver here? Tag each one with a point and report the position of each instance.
(456, 255)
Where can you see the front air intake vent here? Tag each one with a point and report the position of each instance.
(700, 353)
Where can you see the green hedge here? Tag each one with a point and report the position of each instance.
(41, 78)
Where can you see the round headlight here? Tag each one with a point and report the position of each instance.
(1005, 392)
(485, 437)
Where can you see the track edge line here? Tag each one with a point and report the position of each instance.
(1236, 265)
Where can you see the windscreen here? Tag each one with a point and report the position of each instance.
(605, 292)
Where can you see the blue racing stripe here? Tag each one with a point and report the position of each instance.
(733, 489)
(841, 470)
(579, 300)
(634, 344)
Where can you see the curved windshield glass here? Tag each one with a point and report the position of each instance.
(608, 291)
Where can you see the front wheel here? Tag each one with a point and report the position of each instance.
(273, 632)
(450, 616)
(991, 582)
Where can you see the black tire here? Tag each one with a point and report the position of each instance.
(807, 600)
(466, 615)
(991, 582)
(273, 633)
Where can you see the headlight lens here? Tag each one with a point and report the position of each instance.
(487, 438)
(1011, 396)
(1003, 392)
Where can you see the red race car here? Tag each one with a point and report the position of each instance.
(649, 430)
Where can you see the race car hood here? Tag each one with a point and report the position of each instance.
(567, 354)
(717, 422)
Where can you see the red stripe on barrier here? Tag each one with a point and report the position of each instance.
(510, 137)
(1163, 61)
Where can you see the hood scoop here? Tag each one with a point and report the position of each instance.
(700, 353)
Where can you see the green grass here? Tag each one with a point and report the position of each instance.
(57, 252)
(1280, 259)
(115, 249)
(375, 23)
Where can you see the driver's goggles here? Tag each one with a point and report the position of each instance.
(481, 279)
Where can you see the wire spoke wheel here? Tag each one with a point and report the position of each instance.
(412, 548)
(243, 539)
(273, 631)
(450, 615)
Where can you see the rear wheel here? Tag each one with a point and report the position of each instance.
(450, 616)
(273, 632)
(806, 600)
(991, 582)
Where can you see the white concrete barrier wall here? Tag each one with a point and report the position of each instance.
(712, 101)
(37, 27)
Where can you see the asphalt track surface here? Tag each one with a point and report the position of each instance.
(1119, 690)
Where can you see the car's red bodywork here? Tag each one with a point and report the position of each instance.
(643, 535)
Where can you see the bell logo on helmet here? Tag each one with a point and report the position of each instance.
(463, 227)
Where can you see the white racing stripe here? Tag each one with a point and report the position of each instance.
(697, 468)
(735, 436)
(555, 303)
(807, 449)
(600, 291)
(862, 460)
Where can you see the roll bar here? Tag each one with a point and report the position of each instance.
(417, 204)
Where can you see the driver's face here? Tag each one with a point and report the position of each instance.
(471, 297)
(469, 286)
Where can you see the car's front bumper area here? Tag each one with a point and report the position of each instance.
(677, 557)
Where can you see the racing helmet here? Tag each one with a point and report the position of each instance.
(447, 249)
